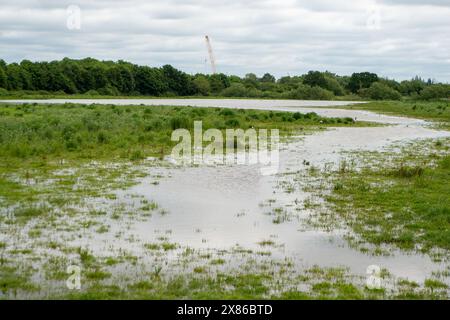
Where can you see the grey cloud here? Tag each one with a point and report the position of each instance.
(281, 37)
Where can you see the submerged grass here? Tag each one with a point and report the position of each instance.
(34, 140)
(438, 111)
(405, 205)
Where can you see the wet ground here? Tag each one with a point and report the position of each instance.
(222, 207)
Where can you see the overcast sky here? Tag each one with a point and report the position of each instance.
(394, 38)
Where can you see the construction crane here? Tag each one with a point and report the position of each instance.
(211, 55)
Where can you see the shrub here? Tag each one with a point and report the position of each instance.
(227, 112)
(317, 93)
(92, 93)
(3, 92)
(305, 92)
(233, 123)
(380, 91)
(408, 172)
(109, 90)
(297, 115)
(137, 155)
(436, 91)
(235, 90)
(179, 123)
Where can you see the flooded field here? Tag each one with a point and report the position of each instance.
(236, 214)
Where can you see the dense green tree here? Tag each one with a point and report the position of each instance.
(96, 77)
(234, 79)
(150, 81)
(18, 78)
(218, 82)
(268, 78)
(2, 64)
(235, 90)
(251, 80)
(315, 79)
(309, 93)
(390, 83)
(380, 91)
(178, 82)
(201, 84)
(412, 87)
(128, 83)
(435, 91)
(333, 85)
(3, 79)
(361, 80)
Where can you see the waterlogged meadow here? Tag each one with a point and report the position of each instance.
(33, 131)
(356, 210)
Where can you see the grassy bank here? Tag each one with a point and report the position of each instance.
(394, 200)
(438, 111)
(36, 95)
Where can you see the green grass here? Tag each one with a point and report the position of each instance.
(318, 283)
(34, 139)
(74, 131)
(432, 110)
(35, 95)
(402, 205)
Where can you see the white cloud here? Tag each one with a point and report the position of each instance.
(281, 37)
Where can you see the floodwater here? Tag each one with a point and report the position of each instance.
(223, 103)
(220, 207)
(224, 206)
(317, 106)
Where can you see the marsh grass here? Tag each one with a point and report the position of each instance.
(438, 111)
(39, 131)
(404, 171)
(404, 205)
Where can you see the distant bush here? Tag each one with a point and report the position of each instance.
(202, 85)
(254, 93)
(305, 92)
(334, 86)
(109, 90)
(92, 93)
(235, 90)
(380, 91)
(436, 91)
(95, 78)
(3, 92)
(361, 80)
(317, 93)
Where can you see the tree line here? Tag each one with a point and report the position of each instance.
(93, 77)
